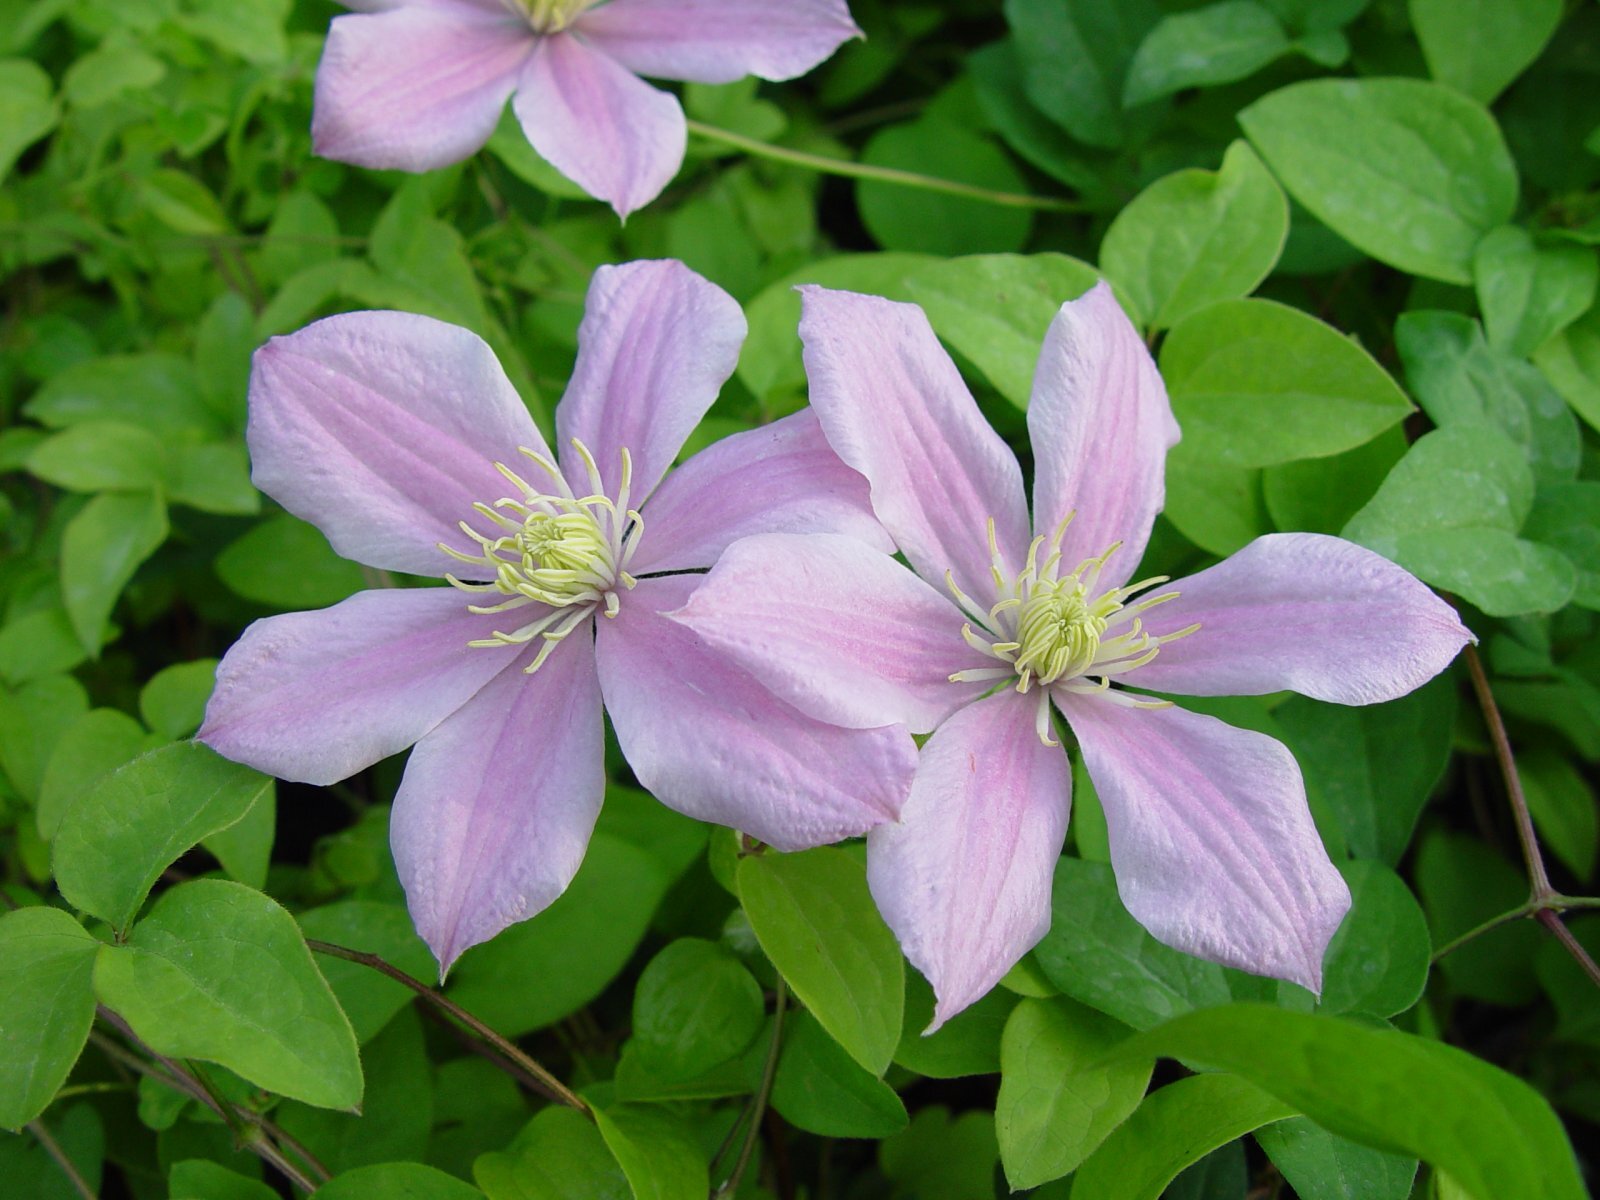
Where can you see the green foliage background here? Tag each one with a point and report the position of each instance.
(1361, 234)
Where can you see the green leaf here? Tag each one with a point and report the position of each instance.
(286, 563)
(996, 308)
(816, 921)
(695, 1006)
(97, 743)
(96, 456)
(1254, 383)
(1376, 765)
(1216, 44)
(1571, 362)
(159, 392)
(559, 1155)
(32, 720)
(996, 71)
(820, 1089)
(46, 1007)
(943, 1158)
(1178, 1125)
(1567, 517)
(1410, 172)
(1530, 291)
(398, 1181)
(28, 109)
(182, 203)
(1463, 883)
(1568, 985)
(37, 644)
(1457, 376)
(967, 1044)
(1195, 237)
(1075, 56)
(201, 1179)
(219, 972)
(1494, 1134)
(656, 1154)
(538, 971)
(1480, 46)
(769, 363)
(368, 997)
(1100, 956)
(1217, 507)
(301, 234)
(914, 219)
(252, 31)
(1321, 1166)
(1319, 495)
(510, 145)
(109, 70)
(1449, 513)
(1377, 962)
(396, 1112)
(173, 702)
(101, 548)
(214, 478)
(1563, 808)
(1058, 1098)
(114, 843)
(244, 849)
(30, 1171)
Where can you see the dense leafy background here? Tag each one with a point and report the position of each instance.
(1361, 234)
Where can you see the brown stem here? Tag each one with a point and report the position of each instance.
(1544, 902)
(174, 1076)
(442, 1002)
(68, 1167)
(1562, 934)
(768, 1073)
(1534, 861)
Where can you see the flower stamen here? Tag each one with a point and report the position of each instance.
(555, 549)
(1058, 630)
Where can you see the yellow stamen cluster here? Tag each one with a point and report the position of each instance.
(552, 16)
(1056, 630)
(566, 552)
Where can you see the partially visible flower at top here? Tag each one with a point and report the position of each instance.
(385, 430)
(419, 84)
(1212, 842)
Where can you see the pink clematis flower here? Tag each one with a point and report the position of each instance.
(1212, 843)
(386, 430)
(419, 84)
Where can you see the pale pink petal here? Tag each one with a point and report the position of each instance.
(494, 813)
(382, 429)
(780, 478)
(417, 87)
(1213, 846)
(895, 409)
(315, 697)
(1305, 612)
(718, 41)
(964, 878)
(710, 741)
(599, 124)
(656, 345)
(1101, 426)
(839, 630)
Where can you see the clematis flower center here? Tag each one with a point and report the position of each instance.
(551, 16)
(566, 553)
(1061, 630)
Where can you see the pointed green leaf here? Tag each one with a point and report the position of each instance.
(101, 548)
(1480, 46)
(1411, 172)
(1059, 1099)
(114, 843)
(1178, 1125)
(816, 921)
(656, 1153)
(46, 1007)
(1494, 1134)
(221, 973)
